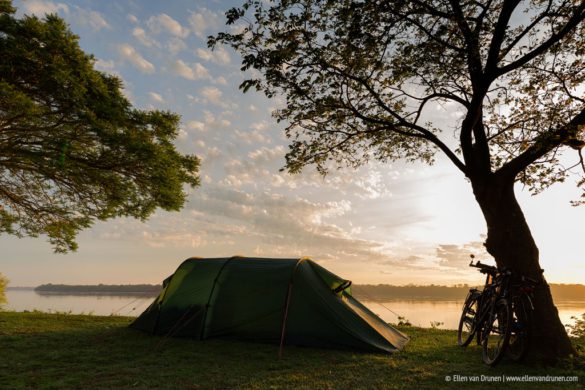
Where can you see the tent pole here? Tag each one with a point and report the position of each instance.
(206, 308)
(284, 320)
(287, 304)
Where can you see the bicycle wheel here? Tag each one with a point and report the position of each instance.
(496, 333)
(521, 327)
(467, 324)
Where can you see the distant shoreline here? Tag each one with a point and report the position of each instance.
(99, 289)
(560, 292)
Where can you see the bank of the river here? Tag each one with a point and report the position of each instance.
(76, 351)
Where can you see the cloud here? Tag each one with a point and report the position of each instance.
(457, 256)
(196, 125)
(267, 155)
(212, 154)
(156, 97)
(92, 19)
(40, 8)
(213, 122)
(82, 17)
(182, 134)
(175, 45)
(285, 226)
(129, 54)
(255, 135)
(191, 72)
(104, 65)
(164, 23)
(220, 55)
(369, 183)
(132, 18)
(203, 20)
(142, 37)
(252, 137)
(163, 239)
(212, 94)
(220, 80)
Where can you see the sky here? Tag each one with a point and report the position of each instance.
(383, 223)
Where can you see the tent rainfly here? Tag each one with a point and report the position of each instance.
(286, 301)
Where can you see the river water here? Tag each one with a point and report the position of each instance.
(425, 313)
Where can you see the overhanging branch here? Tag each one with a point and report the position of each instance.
(577, 18)
(543, 145)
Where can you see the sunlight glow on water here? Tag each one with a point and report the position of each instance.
(423, 313)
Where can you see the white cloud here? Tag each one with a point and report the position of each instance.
(204, 54)
(143, 38)
(91, 19)
(191, 72)
(202, 21)
(209, 117)
(220, 55)
(259, 126)
(256, 135)
(220, 80)
(260, 168)
(156, 97)
(212, 154)
(164, 22)
(175, 45)
(196, 125)
(162, 239)
(370, 185)
(129, 54)
(40, 8)
(267, 155)
(457, 256)
(132, 18)
(281, 225)
(212, 94)
(252, 137)
(182, 134)
(104, 65)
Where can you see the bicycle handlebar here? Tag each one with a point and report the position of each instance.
(484, 268)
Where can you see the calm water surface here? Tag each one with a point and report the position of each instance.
(419, 312)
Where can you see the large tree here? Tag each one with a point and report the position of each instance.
(360, 76)
(72, 148)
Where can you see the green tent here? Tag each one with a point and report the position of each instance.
(286, 301)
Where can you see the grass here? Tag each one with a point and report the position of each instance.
(61, 351)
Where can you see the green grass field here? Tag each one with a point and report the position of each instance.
(60, 351)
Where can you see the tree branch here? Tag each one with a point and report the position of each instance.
(542, 145)
(577, 18)
(519, 37)
(499, 35)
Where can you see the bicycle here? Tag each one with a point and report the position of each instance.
(475, 303)
(488, 314)
(522, 308)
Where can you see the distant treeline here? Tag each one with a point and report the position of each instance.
(564, 292)
(386, 292)
(100, 289)
(561, 292)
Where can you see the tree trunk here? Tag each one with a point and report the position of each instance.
(510, 242)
